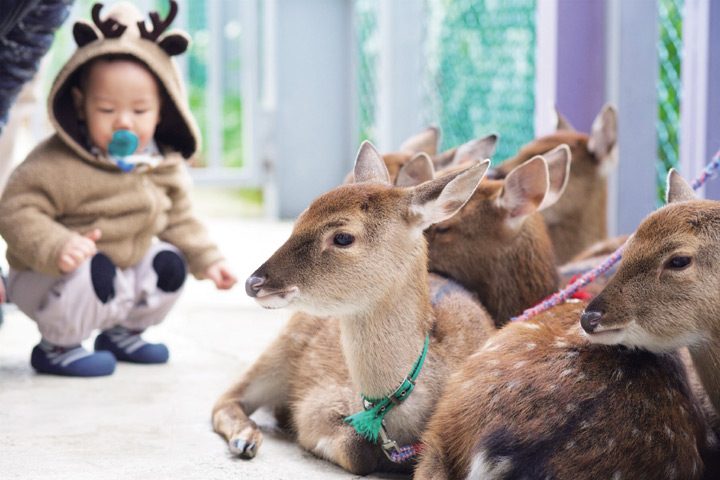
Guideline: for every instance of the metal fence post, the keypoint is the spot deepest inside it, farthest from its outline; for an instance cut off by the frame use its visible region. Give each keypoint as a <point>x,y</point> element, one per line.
<point>400,76</point>
<point>632,87</point>
<point>700,106</point>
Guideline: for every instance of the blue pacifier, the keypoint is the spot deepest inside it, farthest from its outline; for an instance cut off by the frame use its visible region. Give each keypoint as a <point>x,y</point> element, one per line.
<point>123,144</point>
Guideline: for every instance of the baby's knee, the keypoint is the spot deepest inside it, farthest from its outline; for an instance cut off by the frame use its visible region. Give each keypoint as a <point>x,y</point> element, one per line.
<point>170,270</point>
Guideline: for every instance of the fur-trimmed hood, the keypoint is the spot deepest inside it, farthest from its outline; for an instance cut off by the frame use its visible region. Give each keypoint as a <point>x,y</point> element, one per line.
<point>123,31</point>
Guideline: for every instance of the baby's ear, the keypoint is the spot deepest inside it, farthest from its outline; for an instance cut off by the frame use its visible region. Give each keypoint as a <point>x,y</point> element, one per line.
<point>78,102</point>
<point>174,42</point>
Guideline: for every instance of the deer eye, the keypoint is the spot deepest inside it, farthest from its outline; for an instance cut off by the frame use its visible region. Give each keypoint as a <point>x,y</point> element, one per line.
<point>343,239</point>
<point>678,263</point>
<point>441,230</point>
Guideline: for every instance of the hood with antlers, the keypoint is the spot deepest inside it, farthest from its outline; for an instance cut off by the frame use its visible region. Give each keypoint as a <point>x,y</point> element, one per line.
<point>122,31</point>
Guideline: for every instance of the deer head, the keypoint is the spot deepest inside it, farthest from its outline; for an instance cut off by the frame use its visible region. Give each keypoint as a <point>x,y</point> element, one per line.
<point>664,294</point>
<point>355,245</point>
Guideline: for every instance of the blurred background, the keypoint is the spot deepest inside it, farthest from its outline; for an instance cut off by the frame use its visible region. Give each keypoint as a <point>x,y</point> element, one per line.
<point>285,91</point>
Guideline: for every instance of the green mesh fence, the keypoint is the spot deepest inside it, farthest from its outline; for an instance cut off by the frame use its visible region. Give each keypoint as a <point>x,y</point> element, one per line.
<point>366,36</point>
<point>668,123</point>
<point>480,66</point>
<point>481,70</point>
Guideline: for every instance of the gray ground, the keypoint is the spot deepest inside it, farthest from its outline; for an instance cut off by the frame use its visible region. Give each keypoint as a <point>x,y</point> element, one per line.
<point>154,421</point>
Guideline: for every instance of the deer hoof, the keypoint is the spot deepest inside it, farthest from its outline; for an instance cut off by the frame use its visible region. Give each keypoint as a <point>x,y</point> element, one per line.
<point>243,448</point>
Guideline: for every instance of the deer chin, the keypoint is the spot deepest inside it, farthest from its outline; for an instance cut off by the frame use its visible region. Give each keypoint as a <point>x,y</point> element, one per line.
<point>277,299</point>
<point>607,336</point>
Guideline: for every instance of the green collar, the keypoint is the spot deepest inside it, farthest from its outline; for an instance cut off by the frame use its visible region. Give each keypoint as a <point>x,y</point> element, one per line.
<point>369,421</point>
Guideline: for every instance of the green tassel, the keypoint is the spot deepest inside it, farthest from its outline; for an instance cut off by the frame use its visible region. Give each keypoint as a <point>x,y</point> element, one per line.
<point>368,423</point>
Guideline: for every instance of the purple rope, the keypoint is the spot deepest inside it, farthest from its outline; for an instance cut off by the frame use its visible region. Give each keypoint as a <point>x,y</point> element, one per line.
<point>559,297</point>
<point>406,453</point>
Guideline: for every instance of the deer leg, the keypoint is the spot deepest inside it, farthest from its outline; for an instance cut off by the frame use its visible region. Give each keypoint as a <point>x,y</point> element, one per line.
<point>319,420</point>
<point>431,466</point>
<point>264,384</point>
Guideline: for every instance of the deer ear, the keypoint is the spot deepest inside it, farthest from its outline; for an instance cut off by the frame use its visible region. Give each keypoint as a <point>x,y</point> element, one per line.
<point>84,33</point>
<point>370,166</point>
<point>440,199</point>
<point>426,141</point>
<point>562,122</point>
<point>417,170</point>
<point>525,189</point>
<point>558,163</point>
<point>175,42</point>
<point>474,150</point>
<point>604,132</point>
<point>678,189</point>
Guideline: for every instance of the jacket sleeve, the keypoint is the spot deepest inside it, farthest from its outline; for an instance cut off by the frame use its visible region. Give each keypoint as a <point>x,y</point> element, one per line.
<point>28,209</point>
<point>184,229</point>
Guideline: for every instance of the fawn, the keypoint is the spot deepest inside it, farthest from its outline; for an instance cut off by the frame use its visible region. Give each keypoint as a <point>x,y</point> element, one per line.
<point>355,269</point>
<point>497,245</point>
<point>539,400</point>
<point>579,218</point>
<point>664,294</point>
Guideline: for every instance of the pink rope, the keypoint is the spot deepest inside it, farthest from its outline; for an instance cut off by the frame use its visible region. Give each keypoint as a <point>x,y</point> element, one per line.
<point>559,297</point>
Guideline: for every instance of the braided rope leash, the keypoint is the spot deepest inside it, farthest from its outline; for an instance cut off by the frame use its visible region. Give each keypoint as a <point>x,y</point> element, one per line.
<point>591,275</point>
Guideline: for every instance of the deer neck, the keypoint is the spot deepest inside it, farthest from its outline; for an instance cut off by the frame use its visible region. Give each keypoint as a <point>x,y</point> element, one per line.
<point>382,344</point>
<point>706,359</point>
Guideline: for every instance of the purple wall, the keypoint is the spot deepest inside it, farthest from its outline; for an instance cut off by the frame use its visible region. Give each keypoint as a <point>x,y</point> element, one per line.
<point>581,61</point>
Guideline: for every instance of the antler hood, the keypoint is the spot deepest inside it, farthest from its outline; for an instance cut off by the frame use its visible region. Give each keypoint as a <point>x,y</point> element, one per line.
<point>123,31</point>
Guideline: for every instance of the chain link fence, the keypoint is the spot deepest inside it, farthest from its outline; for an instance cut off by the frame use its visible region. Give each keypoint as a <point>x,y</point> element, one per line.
<point>668,123</point>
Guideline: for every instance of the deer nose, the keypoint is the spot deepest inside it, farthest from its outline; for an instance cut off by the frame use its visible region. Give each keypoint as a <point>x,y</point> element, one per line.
<point>589,320</point>
<point>253,285</point>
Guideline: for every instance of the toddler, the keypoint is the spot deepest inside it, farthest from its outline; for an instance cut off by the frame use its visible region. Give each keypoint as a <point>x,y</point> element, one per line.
<point>98,219</point>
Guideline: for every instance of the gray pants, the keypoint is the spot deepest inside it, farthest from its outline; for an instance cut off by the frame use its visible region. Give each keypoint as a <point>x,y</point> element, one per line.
<point>67,310</point>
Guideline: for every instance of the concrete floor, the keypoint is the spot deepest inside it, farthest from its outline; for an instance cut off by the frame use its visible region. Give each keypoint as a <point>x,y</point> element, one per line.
<point>154,421</point>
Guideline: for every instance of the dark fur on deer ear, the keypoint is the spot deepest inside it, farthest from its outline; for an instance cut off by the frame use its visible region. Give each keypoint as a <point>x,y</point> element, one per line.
<point>175,43</point>
<point>84,33</point>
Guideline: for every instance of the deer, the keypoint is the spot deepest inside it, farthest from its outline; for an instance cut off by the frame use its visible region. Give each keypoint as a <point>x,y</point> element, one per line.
<point>540,400</point>
<point>663,296</point>
<point>373,331</point>
<point>579,218</point>
<point>497,245</point>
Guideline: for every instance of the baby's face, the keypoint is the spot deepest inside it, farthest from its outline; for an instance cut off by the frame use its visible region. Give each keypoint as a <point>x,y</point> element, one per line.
<point>119,95</point>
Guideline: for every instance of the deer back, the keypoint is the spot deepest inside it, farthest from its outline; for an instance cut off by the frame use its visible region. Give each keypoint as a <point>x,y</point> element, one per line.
<point>540,401</point>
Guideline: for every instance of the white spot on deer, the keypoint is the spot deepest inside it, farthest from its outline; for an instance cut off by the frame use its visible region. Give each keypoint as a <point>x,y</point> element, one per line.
<point>530,346</point>
<point>512,385</point>
<point>570,445</point>
<point>520,364</point>
<point>668,431</point>
<point>324,448</point>
<point>560,342</point>
<point>618,375</point>
<point>493,362</point>
<point>572,354</point>
<point>611,443</point>
<point>533,326</point>
<point>496,373</point>
<point>490,347</point>
<point>617,475</point>
<point>484,468</point>
<point>566,372</point>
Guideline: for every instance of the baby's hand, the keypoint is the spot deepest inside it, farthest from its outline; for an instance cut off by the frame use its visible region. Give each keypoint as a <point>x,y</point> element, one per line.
<point>77,249</point>
<point>220,274</point>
